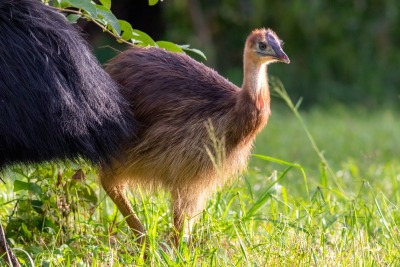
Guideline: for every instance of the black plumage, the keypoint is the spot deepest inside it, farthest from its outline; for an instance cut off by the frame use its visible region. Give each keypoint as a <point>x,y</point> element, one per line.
<point>56,102</point>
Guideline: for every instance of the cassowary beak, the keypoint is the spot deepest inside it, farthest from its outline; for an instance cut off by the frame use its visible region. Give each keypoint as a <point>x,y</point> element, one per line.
<point>284,58</point>
<point>280,55</point>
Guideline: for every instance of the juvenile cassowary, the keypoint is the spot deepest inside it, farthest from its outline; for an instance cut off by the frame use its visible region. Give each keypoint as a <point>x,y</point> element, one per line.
<point>56,101</point>
<point>196,128</point>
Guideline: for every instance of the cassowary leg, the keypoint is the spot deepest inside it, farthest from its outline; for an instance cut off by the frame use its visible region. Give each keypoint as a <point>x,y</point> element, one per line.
<point>116,191</point>
<point>186,207</point>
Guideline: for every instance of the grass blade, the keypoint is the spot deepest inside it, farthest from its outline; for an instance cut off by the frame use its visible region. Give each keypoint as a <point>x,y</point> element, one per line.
<point>280,90</point>
<point>283,162</point>
<point>265,196</point>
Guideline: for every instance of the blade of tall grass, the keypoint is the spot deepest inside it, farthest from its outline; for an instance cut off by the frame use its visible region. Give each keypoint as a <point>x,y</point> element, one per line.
<point>265,196</point>
<point>382,216</point>
<point>280,90</point>
<point>283,162</point>
<point>243,247</point>
<point>166,258</point>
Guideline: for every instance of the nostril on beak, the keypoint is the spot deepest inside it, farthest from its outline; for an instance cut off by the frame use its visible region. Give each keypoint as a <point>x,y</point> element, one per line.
<point>285,59</point>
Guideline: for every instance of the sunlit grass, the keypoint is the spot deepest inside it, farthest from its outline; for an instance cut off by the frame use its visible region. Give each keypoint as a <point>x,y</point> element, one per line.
<point>289,212</point>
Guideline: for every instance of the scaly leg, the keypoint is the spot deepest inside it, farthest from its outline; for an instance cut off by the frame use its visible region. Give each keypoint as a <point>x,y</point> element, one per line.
<point>116,191</point>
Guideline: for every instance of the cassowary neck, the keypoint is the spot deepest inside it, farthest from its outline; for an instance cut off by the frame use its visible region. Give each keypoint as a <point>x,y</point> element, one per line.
<point>255,83</point>
<point>253,104</point>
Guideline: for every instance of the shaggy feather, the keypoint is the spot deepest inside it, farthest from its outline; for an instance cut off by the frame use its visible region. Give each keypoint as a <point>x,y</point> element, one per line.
<point>56,102</point>
<point>197,127</point>
<point>175,98</point>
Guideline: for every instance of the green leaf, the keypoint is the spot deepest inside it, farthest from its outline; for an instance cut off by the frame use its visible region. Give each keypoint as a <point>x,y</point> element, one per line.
<point>89,194</point>
<point>51,226</point>
<point>106,3</point>
<point>193,50</point>
<point>37,205</point>
<point>142,38</point>
<point>56,3</point>
<point>31,187</point>
<point>73,18</point>
<point>25,230</point>
<point>109,18</point>
<point>85,5</point>
<point>127,30</point>
<point>169,46</point>
<point>84,191</point>
<point>152,2</point>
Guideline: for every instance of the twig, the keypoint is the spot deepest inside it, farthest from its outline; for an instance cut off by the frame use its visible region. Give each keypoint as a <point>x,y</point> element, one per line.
<point>89,18</point>
<point>6,251</point>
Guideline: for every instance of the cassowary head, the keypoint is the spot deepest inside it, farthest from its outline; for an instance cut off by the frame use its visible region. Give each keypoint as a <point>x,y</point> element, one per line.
<point>264,46</point>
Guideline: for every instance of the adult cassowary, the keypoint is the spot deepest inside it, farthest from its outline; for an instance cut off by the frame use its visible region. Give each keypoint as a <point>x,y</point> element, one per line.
<point>56,102</point>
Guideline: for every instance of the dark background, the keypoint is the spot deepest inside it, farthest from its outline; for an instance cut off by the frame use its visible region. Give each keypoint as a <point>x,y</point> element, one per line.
<point>342,52</point>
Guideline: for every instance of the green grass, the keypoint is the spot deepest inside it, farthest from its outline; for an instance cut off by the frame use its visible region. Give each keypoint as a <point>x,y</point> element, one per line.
<point>274,215</point>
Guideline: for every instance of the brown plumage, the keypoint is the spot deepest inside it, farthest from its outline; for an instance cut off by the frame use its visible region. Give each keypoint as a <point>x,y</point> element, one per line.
<point>197,128</point>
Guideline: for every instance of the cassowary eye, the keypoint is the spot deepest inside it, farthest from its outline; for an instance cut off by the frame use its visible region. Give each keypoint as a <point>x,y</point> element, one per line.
<point>262,46</point>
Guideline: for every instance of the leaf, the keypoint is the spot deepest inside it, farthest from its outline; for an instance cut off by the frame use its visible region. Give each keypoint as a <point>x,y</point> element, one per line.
<point>111,21</point>
<point>142,38</point>
<point>135,36</point>
<point>31,187</point>
<point>193,50</point>
<point>37,205</point>
<point>50,226</point>
<point>84,191</point>
<point>73,18</point>
<point>127,30</point>
<point>152,2</point>
<point>169,46</point>
<point>25,230</point>
<point>89,194</point>
<point>86,5</point>
<point>56,3</point>
<point>106,3</point>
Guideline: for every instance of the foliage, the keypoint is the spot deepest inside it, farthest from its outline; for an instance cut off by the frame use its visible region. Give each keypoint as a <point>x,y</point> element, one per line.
<point>340,51</point>
<point>101,15</point>
<point>44,197</point>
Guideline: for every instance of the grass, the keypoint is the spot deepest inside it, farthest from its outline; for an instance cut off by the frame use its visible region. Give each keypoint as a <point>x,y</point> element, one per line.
<point>336,208</point>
